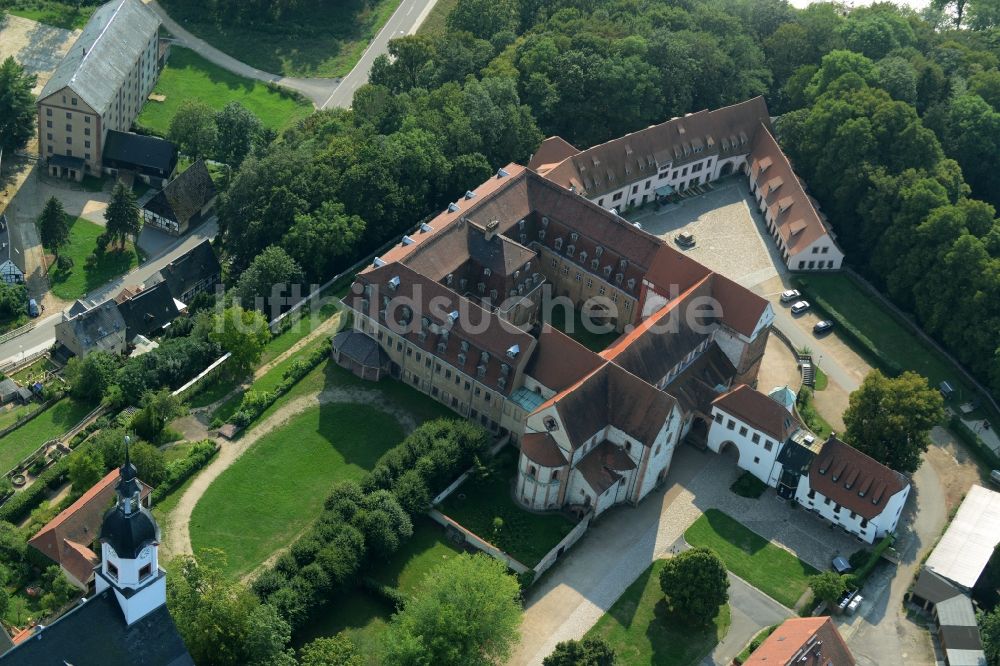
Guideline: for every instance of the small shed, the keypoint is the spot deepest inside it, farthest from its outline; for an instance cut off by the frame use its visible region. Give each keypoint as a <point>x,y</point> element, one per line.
<point>8,390</point>
<point>947,390</point>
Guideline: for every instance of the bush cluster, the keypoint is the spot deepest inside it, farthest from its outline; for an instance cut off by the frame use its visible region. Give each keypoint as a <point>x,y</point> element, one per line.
<point>427,461</point>
<point>255,402</point>
<point>355,527</point>
<point>181,470</point>
<point>170,365</point>
<point>369,521</point>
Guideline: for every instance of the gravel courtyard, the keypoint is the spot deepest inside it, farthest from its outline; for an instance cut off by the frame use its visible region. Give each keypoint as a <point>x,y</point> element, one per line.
<point>730,235</point>
<point>37,46</point>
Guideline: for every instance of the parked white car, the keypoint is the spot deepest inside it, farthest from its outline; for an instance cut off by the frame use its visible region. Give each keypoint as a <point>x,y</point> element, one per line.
<point>800,307</point>
<point>790,295</point>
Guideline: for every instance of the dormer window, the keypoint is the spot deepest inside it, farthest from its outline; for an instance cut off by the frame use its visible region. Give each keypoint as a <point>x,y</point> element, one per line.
<point>559,244</point>
<point>394,282</point>
<point>570,250</point>
<point>545,221</point>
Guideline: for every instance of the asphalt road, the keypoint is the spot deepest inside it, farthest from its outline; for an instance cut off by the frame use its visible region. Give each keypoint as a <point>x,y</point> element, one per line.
<point>751,610</point>
<point>404,21</point>
<point>43,335</point>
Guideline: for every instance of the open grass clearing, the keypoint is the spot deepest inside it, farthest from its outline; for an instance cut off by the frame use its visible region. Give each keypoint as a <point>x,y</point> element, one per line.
<point>322,40</point>
<point>53,422</point>
<point>524,535</point>
<point>642,631</point>
<point>189,76</point>
<point>772,570</point>
<point>80,279</point>
<point>12,413</point>
<point>277,487</point>
<point>66,15</point>
<point>217,388</point>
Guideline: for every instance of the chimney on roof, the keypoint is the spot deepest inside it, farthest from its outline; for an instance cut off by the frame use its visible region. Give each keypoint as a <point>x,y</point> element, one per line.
<point>491,229</point>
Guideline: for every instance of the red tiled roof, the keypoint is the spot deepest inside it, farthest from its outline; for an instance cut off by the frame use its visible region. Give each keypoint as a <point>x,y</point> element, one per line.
<point>602,465</point>
<point>759,411</point>
<point>66,538</point>
<point>797,220</point>
<point>853,480</point>
<point>806,641</point>
<point>554,149</point>
<point>741,308</point>
<point>539,447</point>
<point>559,360</point>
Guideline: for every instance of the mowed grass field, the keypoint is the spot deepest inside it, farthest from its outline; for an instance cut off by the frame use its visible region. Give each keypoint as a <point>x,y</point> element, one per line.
<point>53,422</point>
<point>80,278</point>
<point>772,570</point>
<point>66,15</point>
<point>189,76</point>
<point>642,632</point>
<point>277,488</point>
<point>436,22</point>
<point>323,40</point>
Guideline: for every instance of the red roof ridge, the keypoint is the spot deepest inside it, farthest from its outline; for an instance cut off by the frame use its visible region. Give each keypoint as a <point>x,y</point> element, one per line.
<point>84,499</point>
<point>622,343</point>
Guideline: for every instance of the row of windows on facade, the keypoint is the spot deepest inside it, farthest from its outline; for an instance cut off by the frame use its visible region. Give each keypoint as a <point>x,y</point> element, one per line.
<point>428,362</point>
<point>69,152</point>
<point>69,115</point>
<point>144,572</point>
<point>836,508</point>
<point>69,139</point>
<point>447,398</point>
<point>731,425</point>
<point>678,173</point>
<point>802,263</point>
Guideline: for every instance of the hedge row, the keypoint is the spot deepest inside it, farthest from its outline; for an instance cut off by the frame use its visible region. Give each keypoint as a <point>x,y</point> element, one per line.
<point>355,528</point>
<point>255,402</point>
<point>861,573</point>
<point>20,506</point>
<point>360,524</point>
<point>181,470</point>
<point>978,447</point>
<point>887,365</point>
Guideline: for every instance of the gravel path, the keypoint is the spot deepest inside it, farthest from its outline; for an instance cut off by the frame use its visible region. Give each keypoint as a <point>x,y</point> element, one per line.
<point>178,540</point>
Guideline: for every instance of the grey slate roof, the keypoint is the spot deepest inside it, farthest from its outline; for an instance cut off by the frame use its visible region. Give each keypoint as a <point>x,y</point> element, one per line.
<point>8,389</point>
<point>185,195</point>
<point>95,634</point>
<point>95,324</point>
<point>197,264</point>
<point>137,150</point>
<point>956,612</point>
<point>104,54</point>
<point>360,348</point>
<point>934,588</point>
<point>148,311</point>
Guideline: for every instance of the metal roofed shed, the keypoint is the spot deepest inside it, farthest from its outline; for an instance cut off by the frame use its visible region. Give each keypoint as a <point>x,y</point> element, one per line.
<point>967,545</point>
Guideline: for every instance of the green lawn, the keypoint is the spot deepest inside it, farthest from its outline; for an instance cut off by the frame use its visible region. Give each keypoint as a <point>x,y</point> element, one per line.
<point>80,278</point>
<point>67,15</point>
<point>526,536</point>
<point>641,630</point>
<point>189,76</point>
<point>218,388</point>
<point>53,422</point>
<point>34,372</point>
<point>594,341</point>
<point>435,24</point>
<point>10,414</point>
<point>820,379</point>
<point>887,334</point>
<point>325,40</point>
<point>275,489</point>
<point>364,616</point>
<point>772,570</point>
<point>814,421</point>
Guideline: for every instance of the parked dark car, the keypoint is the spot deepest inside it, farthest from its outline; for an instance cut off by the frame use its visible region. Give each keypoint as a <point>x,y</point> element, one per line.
<point>685,240</point>
<point>822,326</point>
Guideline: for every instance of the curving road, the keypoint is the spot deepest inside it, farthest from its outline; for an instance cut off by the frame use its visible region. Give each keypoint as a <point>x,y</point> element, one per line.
<point>323,92</point>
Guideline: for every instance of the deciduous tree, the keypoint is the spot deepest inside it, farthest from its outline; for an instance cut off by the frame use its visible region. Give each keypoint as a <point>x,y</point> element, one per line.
<point>466,611</point>
<point>890,419</point>
<point>588,652</point>
<point>242,333</point>
<point>86,468</point>
<point>237,131</point>
<point>270,277</point>
<point>334,651</point>
<point>828,586</point>
<point>696,584</point>
<point>193,128</point>
<point>90,376</point>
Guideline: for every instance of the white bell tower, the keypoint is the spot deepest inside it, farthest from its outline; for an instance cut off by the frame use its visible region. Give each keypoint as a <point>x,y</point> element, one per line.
<point>130,540</point>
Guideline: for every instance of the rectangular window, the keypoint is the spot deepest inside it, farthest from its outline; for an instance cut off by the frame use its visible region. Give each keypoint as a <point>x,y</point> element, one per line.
<point>48,112</point>
<point>69,116</point>
<point>684,172</point>
<point>718,417</point>
<point>590,283</point>
<point>86,144</point>
<point>617,196</point>
<point>49,136</point>
<point>86,119</point>
<point>87,156</point>
<point>756,438</point>
<point>447,374</point>
<point>743,431</point>
<point>113,570</point>
<point>86,131</point>
<point>600,202</point>
<point>756,460</point>
<point>69,140</point>
<point>648,183</point>
<point>73,101</point>
<point>48,123</point>
<point>815,250</point>
<point>602,291</point>
<point>555,263</point>
<point>768,445</point>
<point>579,275</point>
<point>824,250</point>
<point>675,174</point>
<point>69,128</point>
<point>731,425</point>
<point>635,188</point>
<point>146,569</point>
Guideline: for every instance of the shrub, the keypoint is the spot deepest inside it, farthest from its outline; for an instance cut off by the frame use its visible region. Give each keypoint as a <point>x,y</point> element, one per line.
<point>181,470</point>
<point>20,506</point>
<point>390,594</point>
<point>859,558</point>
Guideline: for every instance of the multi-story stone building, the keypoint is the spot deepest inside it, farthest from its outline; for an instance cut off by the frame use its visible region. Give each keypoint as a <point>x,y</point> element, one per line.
<point>99,87</point>
<point>458,309</point>
<point>686,152</point>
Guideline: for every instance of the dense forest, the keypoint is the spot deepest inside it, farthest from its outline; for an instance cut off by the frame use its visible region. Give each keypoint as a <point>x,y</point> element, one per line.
<point>893,118</point>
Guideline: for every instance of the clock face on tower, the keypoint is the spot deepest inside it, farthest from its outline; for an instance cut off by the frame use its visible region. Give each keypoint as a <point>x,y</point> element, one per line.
<point>145,553</point>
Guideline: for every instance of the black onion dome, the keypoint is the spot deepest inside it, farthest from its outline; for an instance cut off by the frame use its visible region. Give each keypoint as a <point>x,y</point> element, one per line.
<point>128,534</point>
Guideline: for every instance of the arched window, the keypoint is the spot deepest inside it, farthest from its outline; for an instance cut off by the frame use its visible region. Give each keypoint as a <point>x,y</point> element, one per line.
<point>555,474</point>
<point>532,471</point>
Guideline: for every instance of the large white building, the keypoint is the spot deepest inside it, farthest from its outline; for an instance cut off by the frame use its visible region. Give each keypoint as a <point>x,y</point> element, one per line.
<point>99,86</point>
<point>831,478</point>
<point>699,148</point>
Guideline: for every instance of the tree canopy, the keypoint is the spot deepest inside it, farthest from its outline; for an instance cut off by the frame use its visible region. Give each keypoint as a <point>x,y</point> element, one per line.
<point>242,333</point>
<point>121,217</point>
<point>588,652</point>
<point>17,106</point>
<point>53,225</point>
<point>696,584</point>
<point>890,418</point>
